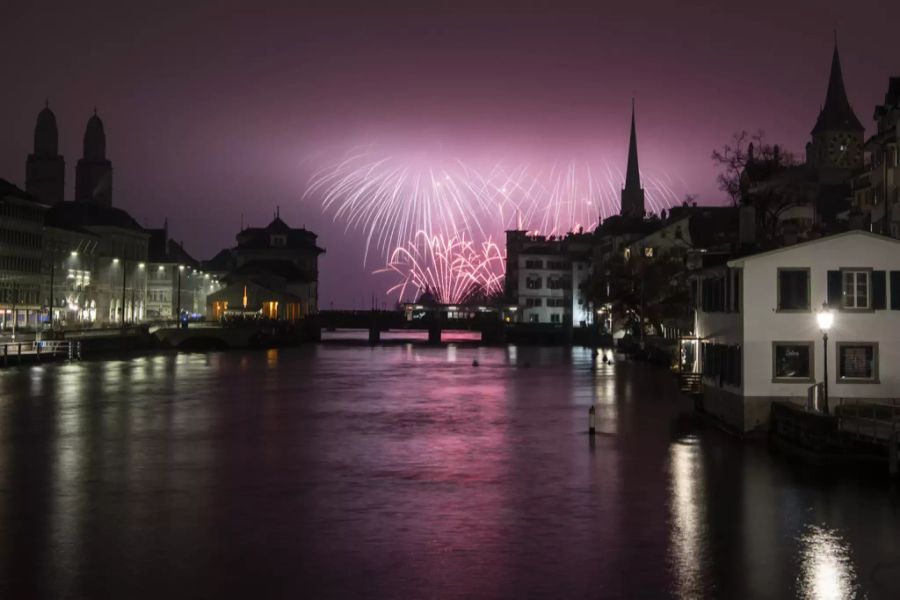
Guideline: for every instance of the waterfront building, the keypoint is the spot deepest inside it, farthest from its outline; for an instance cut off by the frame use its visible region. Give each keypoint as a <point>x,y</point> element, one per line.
<point>176,286</point>
<point>70,268</point>
<point>113,274</point>
<point>545,278</point>
<point>275,274</point>
<point>876,189</point>
<point>757,337</point>
<point>21,243</point>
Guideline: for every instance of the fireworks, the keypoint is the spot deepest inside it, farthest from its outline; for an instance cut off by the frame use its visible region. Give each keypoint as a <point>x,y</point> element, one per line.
<point>432,219</point>
<point>454,270</point>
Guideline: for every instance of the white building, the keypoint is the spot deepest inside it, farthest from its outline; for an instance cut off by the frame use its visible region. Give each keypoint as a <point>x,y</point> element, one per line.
<point>549,289</point>
<point>758,336</point>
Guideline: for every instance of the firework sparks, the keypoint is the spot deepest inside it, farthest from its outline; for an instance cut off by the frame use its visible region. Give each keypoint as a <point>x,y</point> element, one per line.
<point>432,219</point>
<point>453,270</point>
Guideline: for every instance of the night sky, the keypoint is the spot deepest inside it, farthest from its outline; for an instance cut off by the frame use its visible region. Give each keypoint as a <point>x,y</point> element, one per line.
<point>213,112</point>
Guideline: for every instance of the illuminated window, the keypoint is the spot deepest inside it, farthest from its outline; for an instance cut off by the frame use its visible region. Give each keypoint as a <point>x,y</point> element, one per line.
<point>648,252</point>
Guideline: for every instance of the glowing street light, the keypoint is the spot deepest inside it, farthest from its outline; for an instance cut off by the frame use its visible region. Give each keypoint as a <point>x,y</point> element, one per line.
<point>825,319</point>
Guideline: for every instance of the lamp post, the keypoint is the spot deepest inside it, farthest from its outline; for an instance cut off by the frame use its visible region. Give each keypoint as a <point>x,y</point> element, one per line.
<point>825,318</point>
<point>178,273</point>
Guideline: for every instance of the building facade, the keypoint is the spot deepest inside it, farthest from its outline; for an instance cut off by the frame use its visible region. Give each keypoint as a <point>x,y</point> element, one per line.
<point>758,336</point>
<point>21,250</point>
<point>275,275</point>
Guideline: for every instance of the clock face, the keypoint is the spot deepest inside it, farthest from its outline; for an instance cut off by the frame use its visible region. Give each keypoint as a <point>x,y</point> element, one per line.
<point>843,150</point>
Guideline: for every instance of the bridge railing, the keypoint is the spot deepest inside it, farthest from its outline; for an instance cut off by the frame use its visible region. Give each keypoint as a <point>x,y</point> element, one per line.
<point>38,349</point>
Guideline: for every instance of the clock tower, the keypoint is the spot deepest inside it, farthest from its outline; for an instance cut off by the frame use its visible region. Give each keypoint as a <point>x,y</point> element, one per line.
<point>835,150</point>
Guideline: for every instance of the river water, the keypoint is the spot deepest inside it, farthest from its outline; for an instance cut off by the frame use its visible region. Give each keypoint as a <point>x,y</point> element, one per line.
<point>403,471</point>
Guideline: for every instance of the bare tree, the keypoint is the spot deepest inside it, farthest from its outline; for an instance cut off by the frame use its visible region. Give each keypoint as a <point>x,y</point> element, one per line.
<point>744,149</point>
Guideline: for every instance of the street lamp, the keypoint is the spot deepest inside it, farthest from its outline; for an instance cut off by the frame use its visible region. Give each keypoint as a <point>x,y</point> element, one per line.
<point>825,318</point>
<point>180,269</point>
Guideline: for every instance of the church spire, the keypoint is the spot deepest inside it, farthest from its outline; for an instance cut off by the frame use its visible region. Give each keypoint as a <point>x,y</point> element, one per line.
<point>632,172</point>
<point>632,194</point>
<point>836,114</point>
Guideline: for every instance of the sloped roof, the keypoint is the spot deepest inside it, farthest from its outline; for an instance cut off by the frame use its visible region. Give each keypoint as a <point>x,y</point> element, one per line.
<point>8,190</point>
<point>855,232</point>
<point>836,114</point>
<point>71,215</point>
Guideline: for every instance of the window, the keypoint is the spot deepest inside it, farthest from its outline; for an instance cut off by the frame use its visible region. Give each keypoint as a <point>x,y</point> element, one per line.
<point>532,302</point>
<point>533,283</point>
<point>558,265</point>
<point>721,363</point>
<point>557,302</point>
<point>713,294</point>
<point>278,241</point>
<point>648,252</point>
<point>793,289</point>
<point>856,289</point>
<point>792,361</point>
<point>554,318</point>
<point>534,264</point>
<point>534,318</point>
<point>857,362</point>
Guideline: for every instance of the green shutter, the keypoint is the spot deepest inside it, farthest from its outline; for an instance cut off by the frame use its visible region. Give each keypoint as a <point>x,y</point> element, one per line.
<point>834,288</point>
<point>879,293</point>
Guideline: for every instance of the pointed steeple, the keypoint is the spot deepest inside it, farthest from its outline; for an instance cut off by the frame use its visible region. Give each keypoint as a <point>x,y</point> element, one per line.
<point>632,172</point>
<point>836,114</point>
<point>632,194</point>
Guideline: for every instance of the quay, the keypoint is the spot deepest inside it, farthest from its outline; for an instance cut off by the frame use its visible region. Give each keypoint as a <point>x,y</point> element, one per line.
<point>36,351</point>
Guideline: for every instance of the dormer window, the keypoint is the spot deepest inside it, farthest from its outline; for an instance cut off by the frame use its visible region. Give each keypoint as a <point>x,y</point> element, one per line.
<point>278,241</point>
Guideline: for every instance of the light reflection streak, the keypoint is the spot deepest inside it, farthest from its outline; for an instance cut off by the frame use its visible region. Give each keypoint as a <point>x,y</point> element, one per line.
<point>826,570</point>
<point>688,550</point>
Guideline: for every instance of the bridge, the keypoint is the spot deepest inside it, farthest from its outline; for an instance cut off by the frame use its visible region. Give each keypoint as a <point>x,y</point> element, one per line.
<point>207,336</point>
<point>434,320</point>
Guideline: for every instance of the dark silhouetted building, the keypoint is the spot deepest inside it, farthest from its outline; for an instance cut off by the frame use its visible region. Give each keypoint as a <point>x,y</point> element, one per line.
<point>93,174</point>
<point>632,194</point>
<point>45,169</point>
<point>876,189</point>
<point>275,274</point>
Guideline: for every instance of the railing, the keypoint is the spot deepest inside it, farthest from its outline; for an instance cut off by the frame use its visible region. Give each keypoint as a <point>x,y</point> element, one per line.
<point>690,382</point>
<point>878,420</point>
<point>36,350</point>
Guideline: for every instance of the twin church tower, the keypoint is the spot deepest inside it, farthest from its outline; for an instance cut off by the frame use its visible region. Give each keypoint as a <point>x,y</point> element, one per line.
<point>45,169</point>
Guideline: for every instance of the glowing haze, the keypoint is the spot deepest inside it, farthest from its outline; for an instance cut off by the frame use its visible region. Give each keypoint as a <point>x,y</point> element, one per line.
<point>214,110</point>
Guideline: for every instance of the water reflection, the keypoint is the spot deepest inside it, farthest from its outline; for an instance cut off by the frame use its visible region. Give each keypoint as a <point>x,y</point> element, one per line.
<point>688,531</point>
<point>401,471</point>
<point>826,567</point>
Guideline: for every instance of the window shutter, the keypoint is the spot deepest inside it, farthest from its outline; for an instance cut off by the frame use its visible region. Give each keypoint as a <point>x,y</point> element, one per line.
<point>834,288</point>
<point>895,290</point>
<point>879,299</point>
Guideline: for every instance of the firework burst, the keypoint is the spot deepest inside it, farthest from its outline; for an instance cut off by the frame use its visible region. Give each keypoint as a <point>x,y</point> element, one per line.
<point>432,219</point>
<point>453,270</point>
